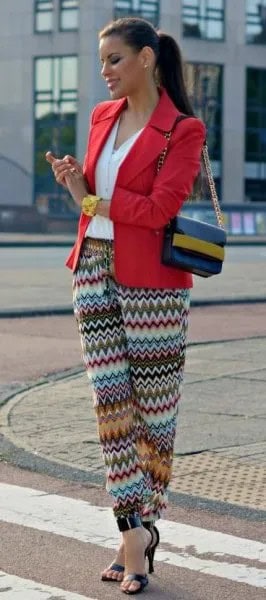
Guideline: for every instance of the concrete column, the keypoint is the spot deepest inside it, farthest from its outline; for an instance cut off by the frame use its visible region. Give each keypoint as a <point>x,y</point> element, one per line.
<point>170,17</point>
<point>93,17</point>
<point>16,128</point>
<point>234,104</point>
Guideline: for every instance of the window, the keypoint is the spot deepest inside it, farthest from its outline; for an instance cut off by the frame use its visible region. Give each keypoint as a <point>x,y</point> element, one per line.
<point>203,19</point>
<point>43,16</point>
<point>55,99</point>
<point>69,14</point>
<point>204,82</point>
<point>146,9</point>
<point>255,167</point>
<point>256,21</point>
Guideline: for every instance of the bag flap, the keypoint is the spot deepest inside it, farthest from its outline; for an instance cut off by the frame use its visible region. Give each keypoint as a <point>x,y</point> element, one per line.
<point>199,230</point>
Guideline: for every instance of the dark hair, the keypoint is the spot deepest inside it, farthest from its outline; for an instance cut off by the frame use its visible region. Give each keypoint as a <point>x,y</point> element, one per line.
<point>138,33</point>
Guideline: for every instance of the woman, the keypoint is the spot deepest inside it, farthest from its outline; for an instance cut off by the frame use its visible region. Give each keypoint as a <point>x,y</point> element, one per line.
<point>132,311</point>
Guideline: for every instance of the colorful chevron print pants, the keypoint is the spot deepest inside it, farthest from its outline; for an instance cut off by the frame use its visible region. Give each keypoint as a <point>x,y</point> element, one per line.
<point>133,343</point>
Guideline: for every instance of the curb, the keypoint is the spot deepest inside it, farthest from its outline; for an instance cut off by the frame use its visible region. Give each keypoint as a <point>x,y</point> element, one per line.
<point>40,244</point>
<point>16,313</point>
<point>50,378</point>
<point>67,244</point>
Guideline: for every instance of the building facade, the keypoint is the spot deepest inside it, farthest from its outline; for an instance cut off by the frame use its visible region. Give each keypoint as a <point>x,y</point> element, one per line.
<point>50,81</point>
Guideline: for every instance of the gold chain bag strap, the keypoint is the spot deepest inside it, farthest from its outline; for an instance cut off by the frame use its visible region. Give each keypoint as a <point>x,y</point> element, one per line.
<point>190,245</point>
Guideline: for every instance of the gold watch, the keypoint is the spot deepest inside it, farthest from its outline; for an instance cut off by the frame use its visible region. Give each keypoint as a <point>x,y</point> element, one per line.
<point>89,204</point>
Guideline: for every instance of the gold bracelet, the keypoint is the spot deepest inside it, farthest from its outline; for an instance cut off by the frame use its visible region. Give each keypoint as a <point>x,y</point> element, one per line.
<point>89,204</point>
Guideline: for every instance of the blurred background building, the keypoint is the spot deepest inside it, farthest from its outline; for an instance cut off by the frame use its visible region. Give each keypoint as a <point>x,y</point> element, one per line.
<point>50,80</point>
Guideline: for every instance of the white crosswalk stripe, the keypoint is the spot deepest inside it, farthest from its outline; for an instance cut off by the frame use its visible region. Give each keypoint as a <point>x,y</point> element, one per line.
<point>194,548</point>
<point>16,588</point>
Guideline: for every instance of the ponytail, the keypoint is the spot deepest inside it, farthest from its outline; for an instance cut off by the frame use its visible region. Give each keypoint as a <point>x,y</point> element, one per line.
<point>171,75</point>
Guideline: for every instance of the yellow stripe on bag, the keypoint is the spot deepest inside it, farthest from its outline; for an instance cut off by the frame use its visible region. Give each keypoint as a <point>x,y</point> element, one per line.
<point>196,245</point>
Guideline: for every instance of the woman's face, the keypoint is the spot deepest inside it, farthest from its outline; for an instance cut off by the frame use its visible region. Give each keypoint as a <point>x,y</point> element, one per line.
<point>122,67</point>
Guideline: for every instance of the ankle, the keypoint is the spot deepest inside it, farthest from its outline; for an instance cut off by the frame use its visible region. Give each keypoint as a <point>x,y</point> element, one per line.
<point>137,537</point>
<point>129,522</point>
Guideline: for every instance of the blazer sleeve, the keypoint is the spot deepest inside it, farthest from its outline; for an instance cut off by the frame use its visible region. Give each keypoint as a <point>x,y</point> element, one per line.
<point>172,186</point>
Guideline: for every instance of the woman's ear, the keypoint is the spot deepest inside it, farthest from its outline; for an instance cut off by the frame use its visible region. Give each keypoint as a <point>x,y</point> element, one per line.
<point>147,57</point>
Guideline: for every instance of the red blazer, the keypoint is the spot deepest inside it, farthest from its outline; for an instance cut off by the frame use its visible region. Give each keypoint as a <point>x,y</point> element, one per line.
<point>144,202</point>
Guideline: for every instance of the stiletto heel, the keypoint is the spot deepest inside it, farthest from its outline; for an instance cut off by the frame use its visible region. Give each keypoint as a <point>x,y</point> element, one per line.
<point>150,556</point>
<point>150,551</point>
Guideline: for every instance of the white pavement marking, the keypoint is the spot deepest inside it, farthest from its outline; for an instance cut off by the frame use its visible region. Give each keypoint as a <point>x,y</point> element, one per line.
<point>87,523</point>
<point>16,588</point>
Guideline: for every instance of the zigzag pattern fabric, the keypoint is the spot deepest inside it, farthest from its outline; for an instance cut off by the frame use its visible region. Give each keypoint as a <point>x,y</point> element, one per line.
<point>133,344</point>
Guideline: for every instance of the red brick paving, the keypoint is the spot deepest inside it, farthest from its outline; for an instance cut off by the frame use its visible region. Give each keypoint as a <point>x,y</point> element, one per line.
<point>33,347</point>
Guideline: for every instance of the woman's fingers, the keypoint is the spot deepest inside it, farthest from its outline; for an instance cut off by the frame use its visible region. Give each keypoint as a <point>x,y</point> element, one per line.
<point>73,163</point>
<point>64,167</point>
<point>61,174</point>
<point>60,179</point>
<point>60,170</point>
<point>50,157</point>
<point>57,164</point>
<point>68,161</point>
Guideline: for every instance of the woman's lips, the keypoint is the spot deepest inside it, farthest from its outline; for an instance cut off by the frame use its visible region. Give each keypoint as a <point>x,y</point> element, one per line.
<point>112,84</point>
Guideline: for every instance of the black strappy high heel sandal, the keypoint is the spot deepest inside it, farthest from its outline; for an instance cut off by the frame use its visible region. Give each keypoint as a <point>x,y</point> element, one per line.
<point>114,567</point>
<point>150,551</point>
<point>124,524</point>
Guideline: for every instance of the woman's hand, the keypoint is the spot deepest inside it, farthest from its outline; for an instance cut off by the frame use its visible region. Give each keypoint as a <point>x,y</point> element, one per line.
<point>76,185</point>
<point>68,172</point>
<point>62,167</point>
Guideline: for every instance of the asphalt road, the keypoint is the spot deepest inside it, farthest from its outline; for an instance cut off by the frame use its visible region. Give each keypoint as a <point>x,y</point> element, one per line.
<point>37,278</point>
<point>46,258</point>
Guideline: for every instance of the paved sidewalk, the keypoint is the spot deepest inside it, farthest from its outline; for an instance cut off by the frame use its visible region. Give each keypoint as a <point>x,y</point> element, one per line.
<point>220,452</point>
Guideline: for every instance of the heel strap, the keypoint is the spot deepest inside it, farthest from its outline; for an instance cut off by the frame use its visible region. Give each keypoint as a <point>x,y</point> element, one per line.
<point>130,522</point>
<point>148,524</point>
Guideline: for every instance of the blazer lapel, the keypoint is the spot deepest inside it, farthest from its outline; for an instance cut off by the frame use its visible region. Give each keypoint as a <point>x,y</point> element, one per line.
<point>99,133</point>
<point>144,151</point>
<point>151,142</point>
